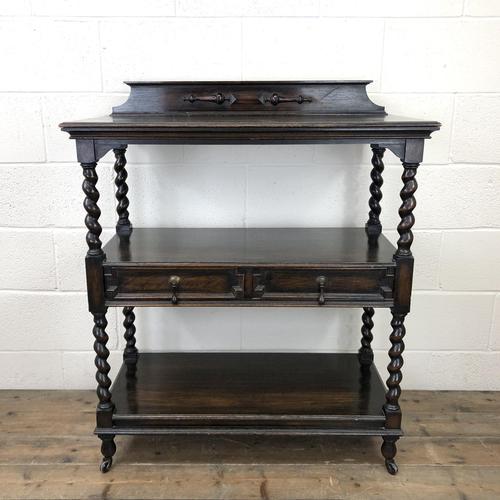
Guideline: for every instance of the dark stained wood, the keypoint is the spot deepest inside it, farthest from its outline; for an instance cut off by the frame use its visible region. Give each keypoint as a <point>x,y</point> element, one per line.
<point>95,283</point>
<point>404,275</point>
<point>211,267</point>
<point>281,129</point>
<point>325,286</point>
<point>93,212</point>
<point>108,449</point>
<point>392,409</point>
<point>365,353</point>
<point>406,210</point>
<point>324,97</point>
<point>95,255</point>
<point>123,226</point>
<point>102,365</point>
<point>403,284</point>
<point>173,285</point>
<point>322,267</point>
<point>105,406</point>
<point>248,112</point>
<point>315,247</point>
<point>373,226</point>
<point>270,393</point>
<point>130,353</point>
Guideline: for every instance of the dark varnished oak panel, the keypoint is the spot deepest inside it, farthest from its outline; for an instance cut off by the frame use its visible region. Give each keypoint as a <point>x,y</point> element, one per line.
<point>305,247</point>
<point>172,285</point>
<point>246,113</point>
<point>273,392</point>
<point>361,284</point>
<point>311,97</point>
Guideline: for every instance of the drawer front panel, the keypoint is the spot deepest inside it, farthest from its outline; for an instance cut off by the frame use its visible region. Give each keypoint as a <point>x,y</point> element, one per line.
<point>173,285</point>
<point>324,285</point>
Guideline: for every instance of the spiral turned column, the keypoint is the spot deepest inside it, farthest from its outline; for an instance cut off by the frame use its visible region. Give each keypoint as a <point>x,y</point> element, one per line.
<point>123,226</point>
<point>392,409</point>
<point>365,353</point>
<point>101,362</point>
<point>406,210</point>
<point>396,363</point>
<point>105,406</point>
<point>93,212</point>
<point>373,227</point>
<point>130,353</point>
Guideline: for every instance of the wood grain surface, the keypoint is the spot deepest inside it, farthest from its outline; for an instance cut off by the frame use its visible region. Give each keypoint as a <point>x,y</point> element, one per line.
<point>451,451</point>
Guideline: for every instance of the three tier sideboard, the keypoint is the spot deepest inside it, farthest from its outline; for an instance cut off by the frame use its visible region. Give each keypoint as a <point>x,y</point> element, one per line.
<point>249,392</point>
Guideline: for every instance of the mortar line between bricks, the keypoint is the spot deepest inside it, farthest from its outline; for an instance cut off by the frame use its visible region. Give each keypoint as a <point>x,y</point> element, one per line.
<point>484,229</point>
<point>266,350</point>
<point>382,55</point>
<point>440,260</point>
<point>452,129</point>
<point>492,324</point>
<point>54,256</point>
<point>319,16</point>
<point>44,129</point>
<point>99,53</point>
<point>311,165</point>
<point>241,47</point>
<point>181,164</point>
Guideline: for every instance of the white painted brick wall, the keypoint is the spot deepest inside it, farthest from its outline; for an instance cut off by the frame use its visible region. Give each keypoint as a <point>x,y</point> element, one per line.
<point>21,139</point>
<point>67,59</point>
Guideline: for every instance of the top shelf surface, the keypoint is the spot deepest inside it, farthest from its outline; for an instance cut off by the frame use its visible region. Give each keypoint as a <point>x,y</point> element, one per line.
<point>248,112</point>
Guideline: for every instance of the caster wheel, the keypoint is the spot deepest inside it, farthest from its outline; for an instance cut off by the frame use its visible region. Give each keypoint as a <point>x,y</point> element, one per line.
<point>391,467</point>
<point>106,464</point>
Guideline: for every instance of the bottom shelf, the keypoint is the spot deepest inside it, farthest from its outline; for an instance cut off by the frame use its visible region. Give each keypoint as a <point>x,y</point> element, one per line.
<point>248,393</point>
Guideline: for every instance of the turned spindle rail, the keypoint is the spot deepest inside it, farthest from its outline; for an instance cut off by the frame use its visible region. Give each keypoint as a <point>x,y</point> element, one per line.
<point>249,393</point>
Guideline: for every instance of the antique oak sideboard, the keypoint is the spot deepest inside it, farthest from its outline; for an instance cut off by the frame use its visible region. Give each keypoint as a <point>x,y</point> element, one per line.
<point>249,393</point>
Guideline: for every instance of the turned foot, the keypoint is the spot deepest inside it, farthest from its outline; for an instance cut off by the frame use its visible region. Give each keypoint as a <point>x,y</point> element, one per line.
<point>106,464</point>
<point>389,452</point>
<point>108,449</point>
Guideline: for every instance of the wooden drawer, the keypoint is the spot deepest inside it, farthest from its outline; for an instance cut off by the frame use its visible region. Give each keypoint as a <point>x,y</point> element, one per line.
<point>211,285</point>
<point>322,286</point>
<point>172,285</point>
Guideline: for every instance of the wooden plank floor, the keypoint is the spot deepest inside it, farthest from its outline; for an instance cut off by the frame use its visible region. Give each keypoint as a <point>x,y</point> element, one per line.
<point>451,451</point>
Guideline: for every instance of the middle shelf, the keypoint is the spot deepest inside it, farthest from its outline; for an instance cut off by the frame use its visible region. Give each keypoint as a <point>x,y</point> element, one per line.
<point>239,267</point>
